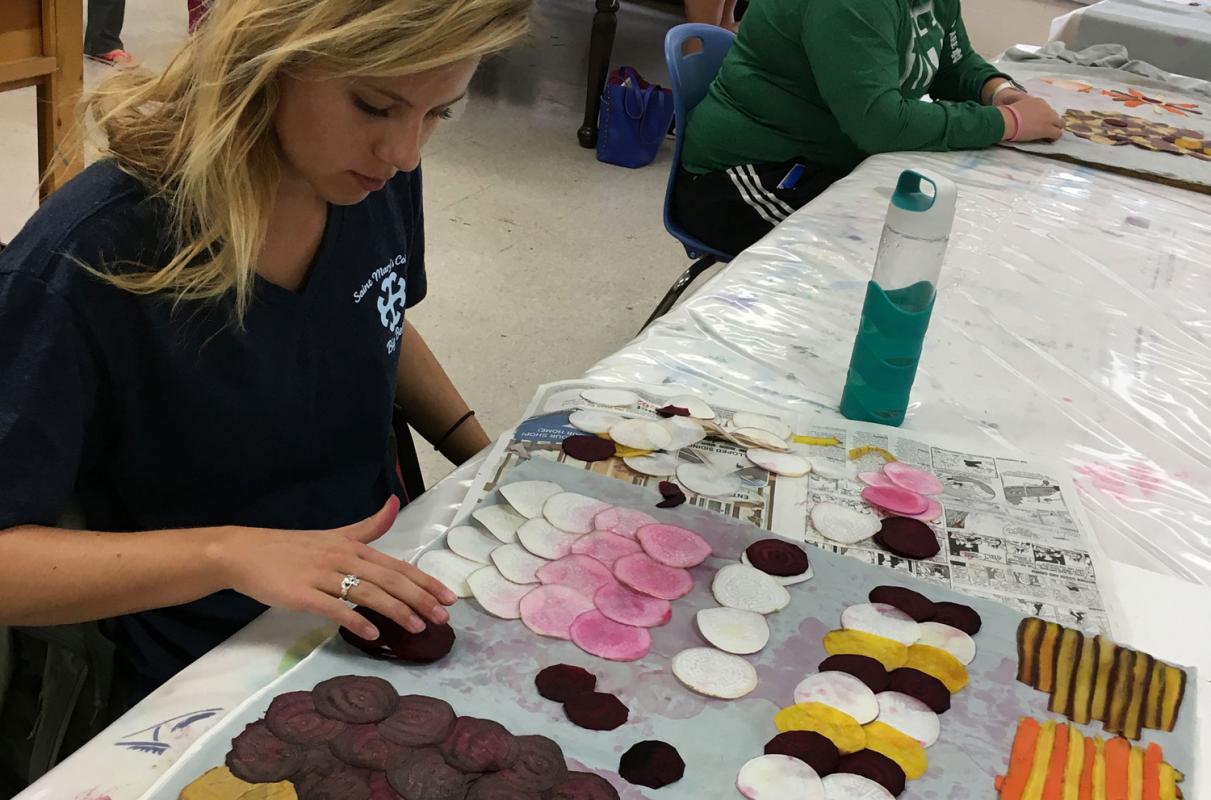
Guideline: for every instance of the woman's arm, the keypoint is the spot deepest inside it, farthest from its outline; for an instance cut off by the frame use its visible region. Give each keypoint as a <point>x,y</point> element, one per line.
<point>962,73</point>
<point>432,403</point>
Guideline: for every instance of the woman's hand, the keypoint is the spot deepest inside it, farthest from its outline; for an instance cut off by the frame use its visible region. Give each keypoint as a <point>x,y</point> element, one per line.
<point>1007,97</point>
<point>303,570</point>
<point>1030,120</point>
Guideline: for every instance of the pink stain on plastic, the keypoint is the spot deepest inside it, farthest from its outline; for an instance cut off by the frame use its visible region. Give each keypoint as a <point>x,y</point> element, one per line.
<point>598,635</point>
<point>896,499</point>
<point>645,574</point>
<point>1146,479</point>
<point>582,573</point>
<point>673,546</point>
<point>604,546</point>
<point>629,607</point>
<point>622,521</point>
<point>550,610</point>
<point>1104,478</point>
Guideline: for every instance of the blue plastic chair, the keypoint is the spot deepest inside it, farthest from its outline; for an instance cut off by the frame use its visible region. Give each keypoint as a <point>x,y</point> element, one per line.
<point>690,74</point>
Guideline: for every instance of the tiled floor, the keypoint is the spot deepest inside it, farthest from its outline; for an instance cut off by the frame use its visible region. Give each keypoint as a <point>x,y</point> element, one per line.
<point>541,260</point>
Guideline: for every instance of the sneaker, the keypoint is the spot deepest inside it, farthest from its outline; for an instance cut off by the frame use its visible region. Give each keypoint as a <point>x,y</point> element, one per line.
<point>114,58</point>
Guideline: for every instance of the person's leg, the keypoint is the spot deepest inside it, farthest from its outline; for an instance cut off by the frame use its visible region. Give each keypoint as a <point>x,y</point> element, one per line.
<point>104,31</point>
<point>709,12</point>
<point>728,16</point>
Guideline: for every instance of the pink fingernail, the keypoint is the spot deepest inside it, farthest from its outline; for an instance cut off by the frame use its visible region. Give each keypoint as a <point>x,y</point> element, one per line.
<point>441,615</point>
<point>370,633</point>
<point>416,626</point>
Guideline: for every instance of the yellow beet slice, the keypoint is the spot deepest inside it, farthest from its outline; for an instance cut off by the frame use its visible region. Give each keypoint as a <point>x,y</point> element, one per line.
<point>1106,650</point>
<point>1074,764</point>
<point>1066,655</point>
<point>1135,774</point>
<point>1030,633</point>
<point>1152,702</point>
<point>1120,690</point>
<point>899,747</point>
<point>1141,670</point>
<point>1171,697</point>
<point>1042,759</point>
<point>938,663</point>
<point>1168,782</point>
<point>1047,648</point>
<point>836,726</point>
<point>220,784</point>
<point>1082,682</point>
<point>888,652</point>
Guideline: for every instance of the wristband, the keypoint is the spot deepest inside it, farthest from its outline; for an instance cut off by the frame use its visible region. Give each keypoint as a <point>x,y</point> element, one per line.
<point>453,428</point>
<point>1017,123</point>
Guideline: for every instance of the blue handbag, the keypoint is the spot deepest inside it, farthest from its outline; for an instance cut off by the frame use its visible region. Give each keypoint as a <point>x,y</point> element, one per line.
<point>634,119</point>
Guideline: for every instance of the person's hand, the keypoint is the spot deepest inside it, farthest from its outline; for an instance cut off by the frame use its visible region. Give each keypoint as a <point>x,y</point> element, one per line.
<point>1038,120</point>
<point>303,570</point>
<point>1007,97</point>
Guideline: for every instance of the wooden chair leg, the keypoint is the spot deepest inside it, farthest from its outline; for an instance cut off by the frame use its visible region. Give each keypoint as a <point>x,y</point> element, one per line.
<point>601,47</point>
<point>58,93</point>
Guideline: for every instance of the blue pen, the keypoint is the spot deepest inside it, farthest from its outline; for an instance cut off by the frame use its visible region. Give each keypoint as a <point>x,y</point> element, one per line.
<point>791,178</point>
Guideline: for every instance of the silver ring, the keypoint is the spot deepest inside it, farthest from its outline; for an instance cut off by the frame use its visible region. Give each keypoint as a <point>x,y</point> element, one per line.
<point>348,583</point>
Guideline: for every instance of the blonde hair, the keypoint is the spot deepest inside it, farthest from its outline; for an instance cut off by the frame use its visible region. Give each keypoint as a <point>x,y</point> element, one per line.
<point>200,134</point>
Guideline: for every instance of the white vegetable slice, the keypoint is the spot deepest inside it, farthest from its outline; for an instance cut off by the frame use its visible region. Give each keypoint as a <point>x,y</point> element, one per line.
<point>779,777</point>
<point>787,464</point>
<point>841,691</point>
<point>695,405</point>
<point>755,437</point>
<point>517,563</point>
<point>449,568</point>
<point>706,480</point>
<point>827,468</point>
<point>847,786</point>
<point>749,589</point>
<point>593,420</point>
<point>948,638</point>
<point>733,630</point>
<point>545,540</point>
<point>747,419</point>
<point>615,398</point>
<point>656,465</point>
<point>714,673</point>
<point>789,580</point>
<point>572,512</point>
<point>641,434</point>
<point>500,520</point>
<point>470,542</point>
<point>909,716</point>
<point>528,497</point>
<point>883,620</point>
<point>498,596</point>
<point>684,432</point>
<point>843,524</point>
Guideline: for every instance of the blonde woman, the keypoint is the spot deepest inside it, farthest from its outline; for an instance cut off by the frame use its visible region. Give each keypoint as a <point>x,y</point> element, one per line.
<point>202,335</point>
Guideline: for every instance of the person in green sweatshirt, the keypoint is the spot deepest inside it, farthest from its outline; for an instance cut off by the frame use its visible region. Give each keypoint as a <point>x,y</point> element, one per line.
<point>812,87</point>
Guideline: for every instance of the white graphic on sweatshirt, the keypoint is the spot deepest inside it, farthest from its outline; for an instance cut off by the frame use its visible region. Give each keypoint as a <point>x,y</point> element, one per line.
<point>392,298</point>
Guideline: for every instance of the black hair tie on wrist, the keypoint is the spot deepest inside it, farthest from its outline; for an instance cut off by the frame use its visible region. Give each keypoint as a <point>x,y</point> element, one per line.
<point>453,428</point>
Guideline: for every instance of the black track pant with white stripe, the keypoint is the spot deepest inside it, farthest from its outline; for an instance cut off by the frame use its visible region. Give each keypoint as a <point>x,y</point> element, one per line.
<point>731,210</point>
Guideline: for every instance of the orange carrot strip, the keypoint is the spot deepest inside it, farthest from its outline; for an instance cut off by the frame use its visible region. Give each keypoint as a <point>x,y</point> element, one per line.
<point>1085,790</point>
<point>1021,755</point>
<point>1054,784</point>
<point>1154,756</point>
<point>1118,751</point>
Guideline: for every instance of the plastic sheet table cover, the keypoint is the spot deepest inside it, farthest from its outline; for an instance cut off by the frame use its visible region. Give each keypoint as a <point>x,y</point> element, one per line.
<point>1171,34</point>
<point>1071,324</point>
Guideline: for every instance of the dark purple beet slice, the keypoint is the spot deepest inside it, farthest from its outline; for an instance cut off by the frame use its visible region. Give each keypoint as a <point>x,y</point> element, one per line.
<point>562,682</point>
<point>418,721</point>
<point>777,557</point>
<point>427,776</point>
<point>347,783</point>
<point>495,787</point>
<point>907,538</point>
<point>355,698</point>
<point>926,688</point>
<point>651,763</point>
<point>808,746</point>
<point>389,632</point>
<point>672,494</point>
<point>583,786</point>
<point>258,756</point>
<point>914,604</point>
<point>364,746</point>
<point>864,668</point>
<point>479,745</point>
<point>293,717</point>
<point>380,787</point>
<point>597,711</point>
<point>875,766</point>
<point>539,766</point>
<point>430,645</point>
<point>958,616</point>
<point>584,447</point>
<point>673,411</point>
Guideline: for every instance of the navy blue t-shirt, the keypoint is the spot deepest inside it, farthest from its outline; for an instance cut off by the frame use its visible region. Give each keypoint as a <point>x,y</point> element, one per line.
<point>151,417</point>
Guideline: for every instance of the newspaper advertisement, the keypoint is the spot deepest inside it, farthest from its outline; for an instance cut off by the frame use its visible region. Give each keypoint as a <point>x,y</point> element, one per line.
<point>1010,530</point>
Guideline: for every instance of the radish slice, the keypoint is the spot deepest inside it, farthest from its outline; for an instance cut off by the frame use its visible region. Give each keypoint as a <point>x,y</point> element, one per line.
<point>883,620</point>
<point>582,573</point>
<point>605,547</point>
<point>787,464</point>
<point>841,691</point>
<point>545,540</point>
<point>733,630</point>
<point>875,479</point>
<point>912,478</point>
<point>550,610</point>
<point>895,499</point>
<point>695,405</point>
<point>743,587</point>
<point>673,546</point>
<point>622,521</point>
<point>644,574</point>
<point>592,420</point>
<point>472,543</point>
<point>909,716</point>
<point>517,563</point>
<point>827,468</point>
<point>714,673</point>
<point>684,432</point>
<point>779,777</point>
<point>500,520</point>
<point>528,497</point>
<point>656,465</point>
<point>755,437</point>
<point>598,635</point>
<point>615,398</point>
<point>950,639</point>
<point>498,596</point>
<point>706,480</point>
<point>847,786</point>
<point>931,513</point>
<point>785,581</point>
<point>747,419</point>
<point>449,568</point>
<point>629,607</point>
<point>572,512</point>
<point>641,434</point>
<point>843,524</point>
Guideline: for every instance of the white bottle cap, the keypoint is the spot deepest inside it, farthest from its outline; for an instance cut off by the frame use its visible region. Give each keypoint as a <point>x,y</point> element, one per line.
<point>922,211</point>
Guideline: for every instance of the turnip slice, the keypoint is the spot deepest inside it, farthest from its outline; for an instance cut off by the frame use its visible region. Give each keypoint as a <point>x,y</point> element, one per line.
<point>582,573</point>
<point>714,673</point>
<point>641,434</point>
<point>449,568</point>
<point>755,437</point>
<point>912,478</point>
<point>788,464</point>
<point>875,479</point>
<point>779,777</point>
<point>498,596</point>
<point>950,639</point>
<point>615,398</point>
<point>827,468</point>
<point>592,420</point>
<point>655,465</point>
<point>598,635</point>
<point>909,716</point>
<point>697,407</point>
<point>621,604</point>
<point>604,546</point>
<point>733,630</point>
<point>895,499</point>
<point>673,546</point>
<point>743,587</point>
<point>572,512</point>
<point>847,786</point>
<point>500,520</point>
<point>843,524</point>
<point>528,497</point>
<point>545,540</point>
<point>622,521</point>
<point>471,543</point>
<point>789,580</point>
<point>883,620</point>
<point>747,419</point>
<point>517,563</point>
<point>644,574</point>
<point>707,480</point>
<point>550,610</point>
<point>841,691</point>
<point>684,432</point>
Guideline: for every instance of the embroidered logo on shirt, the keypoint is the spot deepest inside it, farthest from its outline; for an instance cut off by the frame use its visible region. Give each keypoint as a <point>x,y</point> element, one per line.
<point>392,297</point>
<point>921,60</point>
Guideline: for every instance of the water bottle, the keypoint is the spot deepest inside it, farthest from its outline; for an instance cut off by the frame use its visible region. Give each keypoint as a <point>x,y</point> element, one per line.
<point>899,298</point>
